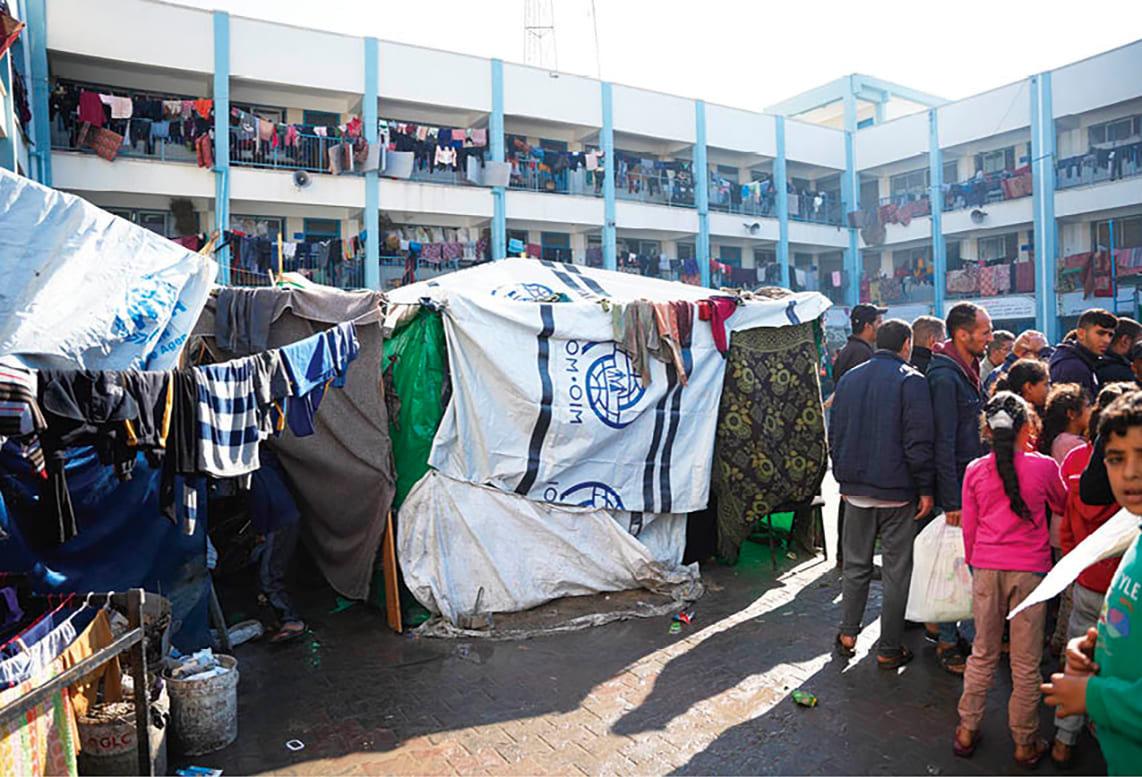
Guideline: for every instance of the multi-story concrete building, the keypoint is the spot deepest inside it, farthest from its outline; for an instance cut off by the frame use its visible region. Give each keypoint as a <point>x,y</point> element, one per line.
<point>1016,198</point>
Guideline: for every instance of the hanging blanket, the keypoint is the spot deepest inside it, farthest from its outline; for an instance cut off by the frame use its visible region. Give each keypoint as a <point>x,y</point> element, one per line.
<point>770,445</point>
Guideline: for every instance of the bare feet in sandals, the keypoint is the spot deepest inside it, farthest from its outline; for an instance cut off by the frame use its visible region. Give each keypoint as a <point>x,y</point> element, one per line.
<point>289,630</point>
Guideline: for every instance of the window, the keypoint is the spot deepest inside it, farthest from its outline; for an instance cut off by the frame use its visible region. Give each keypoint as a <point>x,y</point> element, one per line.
<point>276,115</point>
<point>261,226</point>
<point>759,175</point>
<point>996,161</point>
<point>952,255</point>
<point>154,220</point>
<point>730,255</point>
<point>553,145</point>
<point>871,263</point>
<point>320,118</point>
<point>909,258</point>
<point>686,251</point>
<point>321,229</point>
<point>763,257</point>
<point>728,172</point>
<point>555,246</point>
<point>1127,233</point>
<point>914,183</point>
<point>998,247</point>
<point>1115,131</point>
<point>649,247</point>
<point>951,172</point>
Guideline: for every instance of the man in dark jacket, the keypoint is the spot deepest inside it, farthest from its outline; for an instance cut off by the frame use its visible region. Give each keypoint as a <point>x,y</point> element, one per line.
<point>1116,364</point>
<point>1029,345</point>
<point>926,332</point>
<point>880,438</point>
<point>865,320</point>
<point>957,401</point>
<point>1077,362</point>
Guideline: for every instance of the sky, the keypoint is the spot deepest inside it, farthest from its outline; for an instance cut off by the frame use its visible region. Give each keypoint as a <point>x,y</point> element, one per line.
<point>744,53</point>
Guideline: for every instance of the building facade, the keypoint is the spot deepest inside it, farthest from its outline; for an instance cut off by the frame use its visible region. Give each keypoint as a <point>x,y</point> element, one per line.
<point>1026,199</point>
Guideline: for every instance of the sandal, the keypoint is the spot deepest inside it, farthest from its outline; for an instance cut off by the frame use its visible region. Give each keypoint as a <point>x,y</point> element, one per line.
<point>1063,754</point>
<point>952,660</point>
<point>966,751</point>
<point>289,630</point>
<point>932,635</point>
<point>896,659</point>
<point>1041,749</point>
<point>846,650</point>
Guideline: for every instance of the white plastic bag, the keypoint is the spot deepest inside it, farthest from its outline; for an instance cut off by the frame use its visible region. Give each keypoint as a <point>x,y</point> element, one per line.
<point>941,582</point>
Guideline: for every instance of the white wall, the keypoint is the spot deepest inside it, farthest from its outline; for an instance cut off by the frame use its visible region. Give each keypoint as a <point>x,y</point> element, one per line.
<point>732,225</point>
<point>884,143</point>
<point>635,215</point>
<point>814,145</point>
<point>529,91</point>
<point>278,53</point>
<point>653,114</point>
<point>564,212</point>
<point>1003,216</point>
<point>1099,197</point>
<point>818,235</point>
<point>1000,110</point>
<point>434,77</point>
<point>418,201</point>
<point>87,172</point>
<point>732,128</point>
<point>136,31</point>
<point>1073,138</point>
<point>917,229</point>
<point>277,186</point>
<point>1101,80</point>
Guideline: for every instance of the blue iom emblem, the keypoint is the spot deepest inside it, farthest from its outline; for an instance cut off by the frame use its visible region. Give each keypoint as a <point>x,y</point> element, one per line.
<point>613,387</point>
<point>524,292</point>
<point>593,494</point>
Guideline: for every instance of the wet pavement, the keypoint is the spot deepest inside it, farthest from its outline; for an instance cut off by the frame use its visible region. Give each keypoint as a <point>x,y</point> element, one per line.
<point>626,698</point>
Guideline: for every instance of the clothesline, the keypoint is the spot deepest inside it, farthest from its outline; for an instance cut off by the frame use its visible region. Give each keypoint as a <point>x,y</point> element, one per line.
<point>203,420</point>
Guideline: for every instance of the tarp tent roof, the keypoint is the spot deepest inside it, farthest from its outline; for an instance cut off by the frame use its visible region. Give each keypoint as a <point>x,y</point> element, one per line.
<point>84,289</point>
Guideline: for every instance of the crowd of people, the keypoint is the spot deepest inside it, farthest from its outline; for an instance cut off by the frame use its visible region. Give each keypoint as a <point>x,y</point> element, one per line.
<point>1028,449</point>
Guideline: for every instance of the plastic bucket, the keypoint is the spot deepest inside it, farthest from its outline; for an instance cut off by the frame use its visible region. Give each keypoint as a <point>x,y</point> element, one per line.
<point>204,713</point>
<point>109,746</point>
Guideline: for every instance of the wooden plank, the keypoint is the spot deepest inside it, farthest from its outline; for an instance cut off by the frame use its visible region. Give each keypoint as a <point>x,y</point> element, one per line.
<point>135,600</point>
<point>389,575</point>
<point>88,665</point>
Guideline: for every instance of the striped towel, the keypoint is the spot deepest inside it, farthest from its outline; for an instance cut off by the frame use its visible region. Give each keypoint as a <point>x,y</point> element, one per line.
<point>227,418</point>
<point>20,415</point>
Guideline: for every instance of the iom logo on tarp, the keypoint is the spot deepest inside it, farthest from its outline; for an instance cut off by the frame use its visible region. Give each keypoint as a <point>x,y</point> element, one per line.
<point>593,494</point>
<point>524,292</point>
<point>613,387</point>
<point>143,310</point>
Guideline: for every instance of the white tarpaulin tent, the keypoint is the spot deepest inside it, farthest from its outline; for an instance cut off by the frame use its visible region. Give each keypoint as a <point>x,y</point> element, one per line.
<point>507,553</point>
<point>545,405</point>
<point>84,289</point>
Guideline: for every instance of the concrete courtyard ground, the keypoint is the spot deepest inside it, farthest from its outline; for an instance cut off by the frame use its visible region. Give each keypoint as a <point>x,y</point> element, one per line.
<point>626,698</point>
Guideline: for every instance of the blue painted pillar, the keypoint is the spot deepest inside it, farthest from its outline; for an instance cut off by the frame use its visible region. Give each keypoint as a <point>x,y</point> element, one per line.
<point>610,167</point>
<point>499,194</point>
<point>702,191</point>
<point>1043,195</point>
<point>850,199</point>
<point>222,137</point>
<point>37,41</point>
<point>936,201</point>
<point>780,176</point>
<point>7,117</point>
<point>372,178</point>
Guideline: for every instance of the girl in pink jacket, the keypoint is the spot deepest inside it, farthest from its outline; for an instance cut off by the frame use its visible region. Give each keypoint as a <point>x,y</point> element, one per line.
<point>1007,499</point>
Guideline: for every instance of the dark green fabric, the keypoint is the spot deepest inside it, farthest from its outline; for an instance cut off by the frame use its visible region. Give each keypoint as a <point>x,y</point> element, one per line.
<point>770,446</point>
<point>418,378</point>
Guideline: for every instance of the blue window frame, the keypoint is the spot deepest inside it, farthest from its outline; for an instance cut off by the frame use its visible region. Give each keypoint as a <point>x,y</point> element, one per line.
<point>321,118</point>
<point>321,229</point>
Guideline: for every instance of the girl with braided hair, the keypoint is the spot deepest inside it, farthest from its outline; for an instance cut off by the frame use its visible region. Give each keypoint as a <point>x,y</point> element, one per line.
<point>1006,498</point>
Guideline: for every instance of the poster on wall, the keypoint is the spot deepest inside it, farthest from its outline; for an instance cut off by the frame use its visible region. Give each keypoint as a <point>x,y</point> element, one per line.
<point>1006,308</point>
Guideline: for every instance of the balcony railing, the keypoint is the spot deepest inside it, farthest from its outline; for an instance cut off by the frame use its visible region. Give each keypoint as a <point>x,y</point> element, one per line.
<point>1099,165</point>
<point>536,176</point>
<point>814,208</point>
<point>897,290</point>
<point>654,188</point>
<point>307,151</point>
<point>1007,277</point>
<point>988,188</point>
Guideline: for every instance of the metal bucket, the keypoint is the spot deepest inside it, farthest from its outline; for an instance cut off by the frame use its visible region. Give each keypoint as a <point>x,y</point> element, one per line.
<point>109,746</point>
<point>204,713</point>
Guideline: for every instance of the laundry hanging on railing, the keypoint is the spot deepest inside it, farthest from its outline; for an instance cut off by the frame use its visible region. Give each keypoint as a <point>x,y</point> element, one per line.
<point>183,420</point>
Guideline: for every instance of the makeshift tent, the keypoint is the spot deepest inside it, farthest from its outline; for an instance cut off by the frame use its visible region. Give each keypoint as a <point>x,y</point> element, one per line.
<point>87,290</point>
<point>342,474</point>
<point>549,411</point>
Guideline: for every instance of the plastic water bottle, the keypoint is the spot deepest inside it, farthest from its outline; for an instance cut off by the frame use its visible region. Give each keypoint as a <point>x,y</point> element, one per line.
<point>245,632</point>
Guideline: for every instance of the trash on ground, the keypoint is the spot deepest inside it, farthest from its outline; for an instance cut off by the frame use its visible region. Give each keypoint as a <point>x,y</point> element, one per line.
<point>199,771</point>
<point>804,698</point>
<point>201,665</point>
<point>295,745</point>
